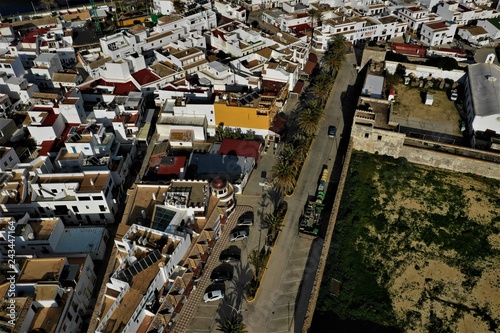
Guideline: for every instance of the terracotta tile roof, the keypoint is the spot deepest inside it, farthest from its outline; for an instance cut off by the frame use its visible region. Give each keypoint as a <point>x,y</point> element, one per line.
<point>409,49</point>
<point>145,76</point>
<point>298,87</point>
<point>121,88</point>
<point>309,67</point>
<point>300,27</point>
<point>242,148</point>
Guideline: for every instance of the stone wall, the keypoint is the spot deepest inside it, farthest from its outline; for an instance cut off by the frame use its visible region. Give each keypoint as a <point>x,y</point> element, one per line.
<point>424,71</point>
<point>326,245</point>
<point>367,138</point>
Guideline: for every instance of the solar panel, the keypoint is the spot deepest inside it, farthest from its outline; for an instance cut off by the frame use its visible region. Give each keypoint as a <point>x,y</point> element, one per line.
<point>139,266</point>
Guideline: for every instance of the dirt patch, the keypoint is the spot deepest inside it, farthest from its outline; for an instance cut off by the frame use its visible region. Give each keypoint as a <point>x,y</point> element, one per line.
<point>416,248</point>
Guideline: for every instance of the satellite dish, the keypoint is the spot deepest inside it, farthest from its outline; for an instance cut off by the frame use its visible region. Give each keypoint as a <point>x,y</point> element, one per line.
<point>31,236</point>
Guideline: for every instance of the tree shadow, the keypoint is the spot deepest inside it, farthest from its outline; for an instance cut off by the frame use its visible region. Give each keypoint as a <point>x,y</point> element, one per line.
<point>234,292</point>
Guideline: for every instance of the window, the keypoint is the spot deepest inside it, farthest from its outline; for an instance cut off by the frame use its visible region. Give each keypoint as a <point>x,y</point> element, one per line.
<point>96,198</point>
<point>102,217</point>
<point>83,198</point>
<point>102,208</point>
<point>367,135</point>
<point>70,317</point>
<point>75,209</point>
<point>379,138</point>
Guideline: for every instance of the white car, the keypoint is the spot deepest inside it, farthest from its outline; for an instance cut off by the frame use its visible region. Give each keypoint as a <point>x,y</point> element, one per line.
<point>238,235</point>
<point>213,295</point>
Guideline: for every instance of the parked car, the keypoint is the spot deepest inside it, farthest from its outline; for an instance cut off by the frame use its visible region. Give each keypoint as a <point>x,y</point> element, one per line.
<point>332,131</point>
<point>454,95</point>
<point>238,235</point>
<point>230,255</point>
<point>221,275</point>
<point>213,295</point>
<point>246,219</point>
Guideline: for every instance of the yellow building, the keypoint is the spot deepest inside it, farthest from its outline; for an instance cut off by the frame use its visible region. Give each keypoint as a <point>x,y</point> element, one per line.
<point>256,115</point>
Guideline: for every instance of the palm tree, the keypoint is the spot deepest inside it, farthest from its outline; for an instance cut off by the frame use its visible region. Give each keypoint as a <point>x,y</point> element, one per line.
<point>309,119</point>
<point>274,223</point>
<point>316,17</point>
<point>321,89</point>
<point>232,324</point>
<point>335,54</point>
<point>284,176</point>
<point>48,3</point>
<point>290,154</point>
<point>258,261</point>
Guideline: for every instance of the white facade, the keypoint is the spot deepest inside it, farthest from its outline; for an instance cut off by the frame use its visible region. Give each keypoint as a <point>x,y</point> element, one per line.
<point>138,240</point>
<point>8,157</point>
<point>492,26</point>
<point>11,65</point>
<point>474,34</point>
<point>464,13</point>
<point>416,16</point>
<point>18,88</point>
<point>79,198</point>
<point>482,99</point>
<point>45,126</point>
<point>438,33</point>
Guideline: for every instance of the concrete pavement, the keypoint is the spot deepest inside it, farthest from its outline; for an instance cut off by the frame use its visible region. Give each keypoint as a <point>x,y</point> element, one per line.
<point>284,293</point>
<point>291,269</point>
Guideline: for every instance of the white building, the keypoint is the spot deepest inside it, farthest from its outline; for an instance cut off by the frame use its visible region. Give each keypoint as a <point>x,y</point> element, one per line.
<point>476,35</point>
<point>438,33</point>
<point>8,158</point>
<point>11,65</point>
<point>482,98</point>
<point>54,294</point>
<point>87,197</point>
<point>49,236</point>
<point>17,88</point>
<point>416,16</point>
<point>492,26</point>
<point>44,67</point>
<point>149,263</point>
<point>463,13</point>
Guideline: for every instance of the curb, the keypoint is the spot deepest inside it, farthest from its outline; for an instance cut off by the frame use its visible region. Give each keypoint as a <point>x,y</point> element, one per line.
<point>265,269</point>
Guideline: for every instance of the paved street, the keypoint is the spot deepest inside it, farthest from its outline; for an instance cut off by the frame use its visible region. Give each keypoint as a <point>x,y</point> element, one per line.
<point>291,269</point>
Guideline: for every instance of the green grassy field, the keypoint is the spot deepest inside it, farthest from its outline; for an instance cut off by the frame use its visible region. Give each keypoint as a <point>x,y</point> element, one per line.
<point>416,249</point>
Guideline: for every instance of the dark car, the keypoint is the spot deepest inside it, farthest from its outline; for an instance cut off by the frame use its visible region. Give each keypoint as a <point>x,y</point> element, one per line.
<point>231,254</point>
<point>246,219</point>
<point>221,275</point>
<point>332,131</point>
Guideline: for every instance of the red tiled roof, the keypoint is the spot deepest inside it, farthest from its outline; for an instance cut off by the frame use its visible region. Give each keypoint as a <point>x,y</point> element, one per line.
<point>272,87</point>
<point>145,76</point>
<point>313,57</point>
<point>30,37</point>
<point>301,15</point>
<point>309,67</point>
<point>298,87</point>
<point>437,25</point>
<point>167,165</point>
<point>242,148</point>
<point>278,125</point>
<point>409,49</point>
<point>240,9</point>
<point>300,27</point>
<point>121,88</point>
